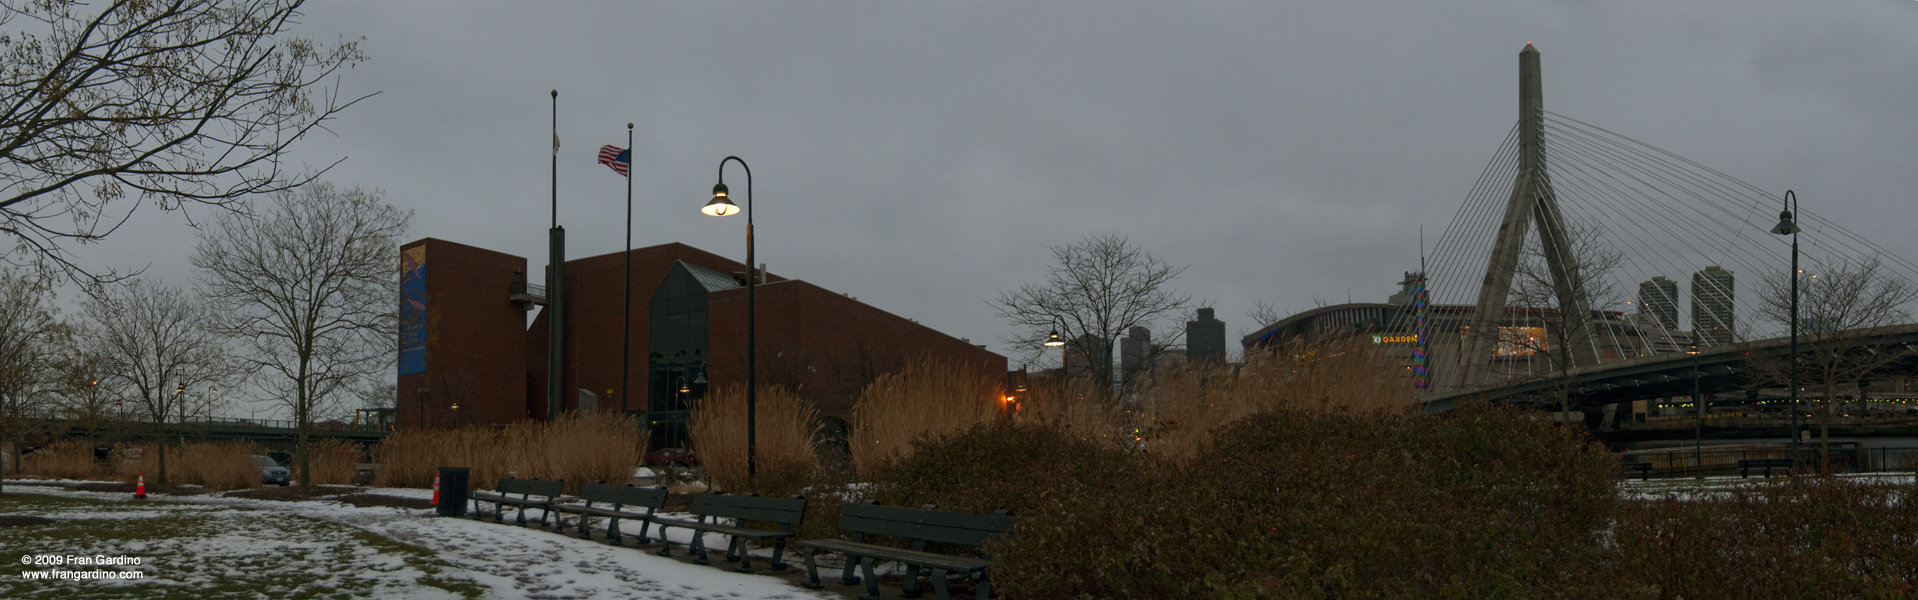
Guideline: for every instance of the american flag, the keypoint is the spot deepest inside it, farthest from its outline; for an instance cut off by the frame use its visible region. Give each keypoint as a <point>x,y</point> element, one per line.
<point>619,160</point>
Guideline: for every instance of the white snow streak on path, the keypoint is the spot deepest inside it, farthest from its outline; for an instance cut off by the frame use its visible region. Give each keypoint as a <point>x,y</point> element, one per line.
<point>527,562</point>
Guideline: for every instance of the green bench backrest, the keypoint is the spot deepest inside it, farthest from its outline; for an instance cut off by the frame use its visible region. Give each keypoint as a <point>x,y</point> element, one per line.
<point>782,511</point>
<point>942,526</point>
<point>535,487</point>
<point>623,495</point>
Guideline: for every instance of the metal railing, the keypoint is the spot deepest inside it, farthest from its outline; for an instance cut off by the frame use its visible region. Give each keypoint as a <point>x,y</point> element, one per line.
<point>521,287</point>
<point>275,424</point>
<point>1846,458</point>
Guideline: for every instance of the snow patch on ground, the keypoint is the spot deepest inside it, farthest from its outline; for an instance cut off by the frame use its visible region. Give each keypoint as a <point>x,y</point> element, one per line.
<point>512,561</point>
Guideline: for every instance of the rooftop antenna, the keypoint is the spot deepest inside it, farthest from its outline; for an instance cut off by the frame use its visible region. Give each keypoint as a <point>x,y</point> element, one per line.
<point>1421,250</point>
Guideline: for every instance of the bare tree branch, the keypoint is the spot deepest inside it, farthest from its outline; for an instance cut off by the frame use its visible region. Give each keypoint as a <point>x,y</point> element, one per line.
<point>1096,289</point>
<point>168,102</point>
<point>311,288</point>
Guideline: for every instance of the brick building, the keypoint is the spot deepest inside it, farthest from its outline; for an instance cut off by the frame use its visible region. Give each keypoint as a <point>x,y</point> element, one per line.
<point>465,340</point>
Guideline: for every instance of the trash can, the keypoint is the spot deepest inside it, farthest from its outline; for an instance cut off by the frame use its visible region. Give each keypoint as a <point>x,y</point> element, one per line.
<point>453,491</point>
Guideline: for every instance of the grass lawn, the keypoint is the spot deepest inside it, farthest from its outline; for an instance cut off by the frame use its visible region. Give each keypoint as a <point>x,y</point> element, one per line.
<point>198,551</point>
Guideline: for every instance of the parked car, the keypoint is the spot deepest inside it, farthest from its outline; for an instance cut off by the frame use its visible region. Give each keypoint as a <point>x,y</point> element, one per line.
<point>672,456</point>
<point>271,473</point>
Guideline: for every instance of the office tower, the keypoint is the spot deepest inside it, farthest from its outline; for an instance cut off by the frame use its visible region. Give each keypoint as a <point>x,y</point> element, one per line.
<point>1659,298</point>
<point>1712,322</point>
<point>1205,338</point>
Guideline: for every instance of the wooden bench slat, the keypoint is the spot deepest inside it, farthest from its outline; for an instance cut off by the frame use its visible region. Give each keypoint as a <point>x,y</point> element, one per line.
<point>926,559</point>
<point>788,514</point>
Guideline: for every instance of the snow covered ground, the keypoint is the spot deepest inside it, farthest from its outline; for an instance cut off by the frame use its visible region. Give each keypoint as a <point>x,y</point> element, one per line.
<point>213,546</point>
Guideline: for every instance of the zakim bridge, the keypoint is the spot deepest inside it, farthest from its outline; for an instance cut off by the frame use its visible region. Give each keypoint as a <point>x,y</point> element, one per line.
<point>1613,271</point>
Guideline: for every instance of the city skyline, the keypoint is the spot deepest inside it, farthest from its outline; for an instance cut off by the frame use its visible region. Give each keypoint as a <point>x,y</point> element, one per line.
<point>921,158</point>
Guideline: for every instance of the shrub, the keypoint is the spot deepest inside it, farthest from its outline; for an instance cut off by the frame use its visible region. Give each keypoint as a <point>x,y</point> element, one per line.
<point>785,453</point>
<point>1485,503</point>
<point>925,400</point>
<point>64,459</point>
<point>1809,536</point>
<point>606,448</point>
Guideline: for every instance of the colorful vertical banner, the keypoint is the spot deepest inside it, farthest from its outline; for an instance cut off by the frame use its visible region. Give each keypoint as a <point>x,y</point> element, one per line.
<point>413,310</point>
<point>1421,375</point>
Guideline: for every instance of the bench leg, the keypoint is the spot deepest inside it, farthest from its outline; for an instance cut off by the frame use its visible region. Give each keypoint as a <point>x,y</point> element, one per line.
<point>910,587</point>
<point>543,512</point>
<point>939,585</point>
<point>848,578</point>
<point>985,585</point>
<point>745,559</point>
<point>698,548</point>
<point>665,545</point>
<point>499,512</point>
<point>812,572</point>
<point>612,531</point>
<point>644,526</point>
<point>779,555</point>
<point>872,583</point>
<point>734,549</point>
<point>559,522</point>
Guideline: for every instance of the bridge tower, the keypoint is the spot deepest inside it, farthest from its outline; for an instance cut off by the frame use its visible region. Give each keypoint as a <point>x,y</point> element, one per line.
<point>1532,200</point>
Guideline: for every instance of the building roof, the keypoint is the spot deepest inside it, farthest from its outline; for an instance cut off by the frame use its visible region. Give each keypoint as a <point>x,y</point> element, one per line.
<point>710,279</point>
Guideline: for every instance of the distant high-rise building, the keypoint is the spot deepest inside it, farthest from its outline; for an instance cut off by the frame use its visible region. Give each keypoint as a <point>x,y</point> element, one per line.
<point>1134,349</point>
<point>1712,322</point>
<point>1205,338</point>
<point>1082,353</point>
<point>1659,298</point>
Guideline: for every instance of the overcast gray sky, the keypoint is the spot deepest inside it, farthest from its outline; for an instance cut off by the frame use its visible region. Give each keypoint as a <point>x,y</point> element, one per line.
<point>921,156</point>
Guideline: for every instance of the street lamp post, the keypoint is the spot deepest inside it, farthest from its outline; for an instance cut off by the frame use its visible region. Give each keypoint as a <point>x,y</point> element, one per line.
<point>721,206</point>
<point>1698,412</point>
<point>1787,226</point>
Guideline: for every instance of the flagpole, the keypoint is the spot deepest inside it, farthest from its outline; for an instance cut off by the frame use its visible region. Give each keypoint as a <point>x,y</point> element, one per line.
<point>555,289</point>
<point>626,351</point>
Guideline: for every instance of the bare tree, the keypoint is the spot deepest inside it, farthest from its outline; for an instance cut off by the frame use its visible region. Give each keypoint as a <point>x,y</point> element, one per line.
<point>1564,296</point>
<point>155,341</point>
<point>311,288</point>
<point>29,333</point>
<point>1097,289</point>
<point>86,399</point>
<point>168,102</point>
<point>1840,311</point>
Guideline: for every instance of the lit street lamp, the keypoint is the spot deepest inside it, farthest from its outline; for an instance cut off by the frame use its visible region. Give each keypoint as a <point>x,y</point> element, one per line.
<point>721,206</point>
<point>1786,226</point>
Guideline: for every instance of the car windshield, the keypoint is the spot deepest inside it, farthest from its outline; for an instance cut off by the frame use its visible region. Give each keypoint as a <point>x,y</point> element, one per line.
<point>262,461</point>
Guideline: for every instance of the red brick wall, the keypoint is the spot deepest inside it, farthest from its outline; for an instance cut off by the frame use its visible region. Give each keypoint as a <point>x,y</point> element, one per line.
<point>827,342</point>
<point>475,350</point>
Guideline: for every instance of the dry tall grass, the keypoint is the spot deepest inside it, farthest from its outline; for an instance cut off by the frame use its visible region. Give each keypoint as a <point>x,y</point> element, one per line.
<point>333,461</point>
<point>1181,409</point>
<point>605,448</point>
<point>65,459</point>
<point>785,453</point>
<point>216,465</point>
<point>923,402</point>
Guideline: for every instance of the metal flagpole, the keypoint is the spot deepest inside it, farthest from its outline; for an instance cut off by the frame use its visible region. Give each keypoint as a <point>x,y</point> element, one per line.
<point>626,350</point>
<point>555,288</point>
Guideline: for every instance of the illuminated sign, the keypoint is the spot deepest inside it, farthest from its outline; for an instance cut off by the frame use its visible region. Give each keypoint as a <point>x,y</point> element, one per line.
<point>1394,339</point>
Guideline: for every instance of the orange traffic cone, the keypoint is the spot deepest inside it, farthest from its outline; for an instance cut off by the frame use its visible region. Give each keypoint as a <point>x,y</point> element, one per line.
<point>140,491</point>
<point>436,489</point>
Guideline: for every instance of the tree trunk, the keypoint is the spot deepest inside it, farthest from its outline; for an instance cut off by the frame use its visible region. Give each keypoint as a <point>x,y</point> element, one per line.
<point>162,450</point>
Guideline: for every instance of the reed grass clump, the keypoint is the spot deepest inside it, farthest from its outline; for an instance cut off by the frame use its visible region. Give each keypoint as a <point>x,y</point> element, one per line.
<point>213,465</point>
<point>605,448</point>
<point>65,459</point>
<point>786,451</point>
<point>1182,409</point>
<point>925,401</point>
<point>333,461</point>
